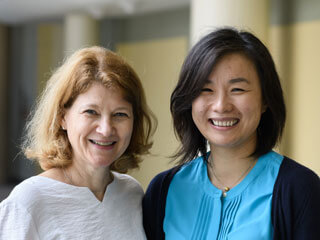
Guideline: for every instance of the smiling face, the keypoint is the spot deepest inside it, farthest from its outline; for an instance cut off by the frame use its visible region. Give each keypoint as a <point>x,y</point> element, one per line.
<point>228,110</point>
<point>99,125</point>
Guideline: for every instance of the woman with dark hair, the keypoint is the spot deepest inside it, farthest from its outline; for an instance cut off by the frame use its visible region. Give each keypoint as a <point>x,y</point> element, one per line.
<point>229,98</point>
<point>90,126</point>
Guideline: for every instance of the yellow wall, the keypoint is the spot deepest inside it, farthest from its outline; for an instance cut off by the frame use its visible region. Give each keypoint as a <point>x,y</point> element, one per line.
<point>296,50</point>
<point>157,63</point>
<point>49,54</point>
<point>49,37</point>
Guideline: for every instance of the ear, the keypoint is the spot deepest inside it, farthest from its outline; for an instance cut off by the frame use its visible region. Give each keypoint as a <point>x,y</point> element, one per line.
<point>264,108</point>
<point>63,123</point>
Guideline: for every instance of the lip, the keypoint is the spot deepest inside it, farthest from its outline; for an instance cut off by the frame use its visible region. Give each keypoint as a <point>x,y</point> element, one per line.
<point>103,144</point>
<point>224,123</point>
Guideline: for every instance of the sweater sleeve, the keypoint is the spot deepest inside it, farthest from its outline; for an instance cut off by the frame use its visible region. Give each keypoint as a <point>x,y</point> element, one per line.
<point>296,203</point>
<point>16,222</point>
<point>154,203</point>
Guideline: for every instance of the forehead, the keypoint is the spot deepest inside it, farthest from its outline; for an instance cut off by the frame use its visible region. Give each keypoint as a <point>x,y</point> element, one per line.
<point>101,94</point>
<point>234,68</point>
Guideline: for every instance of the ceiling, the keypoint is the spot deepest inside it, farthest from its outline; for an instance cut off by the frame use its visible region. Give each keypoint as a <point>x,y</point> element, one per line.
<point>19,11</point>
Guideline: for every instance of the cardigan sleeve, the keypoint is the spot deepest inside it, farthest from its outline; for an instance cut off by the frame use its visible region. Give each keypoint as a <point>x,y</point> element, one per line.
<point>154,203</point>
<point>296,203</point>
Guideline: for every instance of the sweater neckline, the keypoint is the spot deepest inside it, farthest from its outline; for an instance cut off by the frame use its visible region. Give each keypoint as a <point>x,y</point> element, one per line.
<point>85,191</point>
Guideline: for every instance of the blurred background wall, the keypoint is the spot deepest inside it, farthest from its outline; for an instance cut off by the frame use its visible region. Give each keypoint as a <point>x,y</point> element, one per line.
<point>155,44</point>
<point>294,42</point>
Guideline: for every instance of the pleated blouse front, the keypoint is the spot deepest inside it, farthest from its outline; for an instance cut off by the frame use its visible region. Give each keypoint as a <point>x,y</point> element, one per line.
<point>196,209</point>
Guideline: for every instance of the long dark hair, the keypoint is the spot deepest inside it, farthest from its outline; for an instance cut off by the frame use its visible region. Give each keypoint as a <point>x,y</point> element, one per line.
<point>194,73</point>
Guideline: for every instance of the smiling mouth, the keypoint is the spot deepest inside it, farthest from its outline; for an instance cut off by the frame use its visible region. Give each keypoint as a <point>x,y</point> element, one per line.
<point>219,123</point>
<point>104,144</point>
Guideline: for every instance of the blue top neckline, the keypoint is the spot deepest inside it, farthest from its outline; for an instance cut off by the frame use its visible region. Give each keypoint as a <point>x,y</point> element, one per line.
<point>215,192</point>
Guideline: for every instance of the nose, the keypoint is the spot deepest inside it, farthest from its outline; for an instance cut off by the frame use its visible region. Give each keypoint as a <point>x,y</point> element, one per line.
<point>105,127</point>
<point>222,103</point>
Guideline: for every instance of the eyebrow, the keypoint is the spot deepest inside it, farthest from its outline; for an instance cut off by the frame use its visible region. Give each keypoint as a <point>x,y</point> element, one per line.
<point>238,80</point>
<point>90,105</point>
<point>93,105</point>
<point>233,80</point>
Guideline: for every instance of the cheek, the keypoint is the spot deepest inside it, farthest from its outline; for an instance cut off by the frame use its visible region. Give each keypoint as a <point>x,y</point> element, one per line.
<point>73,136</point>
<point>198,108</point>
<point>254,113</point>
<point>250,106</point>
<point>127,132</point>
<point>129,135</point>
<point>79,131</point>
<point>194,114</point>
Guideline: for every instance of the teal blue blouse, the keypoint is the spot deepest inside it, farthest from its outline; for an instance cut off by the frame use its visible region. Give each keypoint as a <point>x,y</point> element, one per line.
<point>196,209</point>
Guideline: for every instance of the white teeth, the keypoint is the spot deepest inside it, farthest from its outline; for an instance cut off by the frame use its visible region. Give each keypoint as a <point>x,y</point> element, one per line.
<point>224,123</point>
<point>102,143</point>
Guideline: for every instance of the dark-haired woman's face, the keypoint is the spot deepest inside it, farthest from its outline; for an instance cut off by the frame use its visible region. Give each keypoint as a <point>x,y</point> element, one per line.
<point>229,108</point>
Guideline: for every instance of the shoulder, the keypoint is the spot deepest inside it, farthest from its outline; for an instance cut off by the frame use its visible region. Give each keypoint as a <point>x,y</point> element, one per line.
<point>189,170</point>
<point>297,189</point>
<point>16,219</point>
<point>162,180</point>
<point>11,208</point>
<point>296,177</point>
<point>156,194</point>
<point>26,193</point>
<point>296,185</point>
<point>127,183</point>
<point>295,201</point>
<point>125,179</point>
<point>16,222</point>
<point>154,202</point>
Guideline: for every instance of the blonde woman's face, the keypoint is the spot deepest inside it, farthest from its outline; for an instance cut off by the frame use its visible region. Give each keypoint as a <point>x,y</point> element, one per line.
<point>99,126</point>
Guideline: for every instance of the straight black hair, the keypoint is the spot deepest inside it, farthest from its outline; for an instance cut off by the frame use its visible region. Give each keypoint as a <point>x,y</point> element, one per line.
<point>194,73</point>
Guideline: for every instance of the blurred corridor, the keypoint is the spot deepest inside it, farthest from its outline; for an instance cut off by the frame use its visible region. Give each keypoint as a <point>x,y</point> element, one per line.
<point>154,37</point>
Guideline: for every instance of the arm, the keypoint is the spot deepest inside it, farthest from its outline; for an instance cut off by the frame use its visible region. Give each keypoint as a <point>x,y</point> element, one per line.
<point>295,203</point>
<point>16,222</point>
<point>307,223</point>
<point>154,203</point>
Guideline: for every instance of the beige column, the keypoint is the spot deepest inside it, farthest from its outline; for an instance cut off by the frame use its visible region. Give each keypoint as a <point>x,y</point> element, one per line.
<point>50,51</point>
<point>80,30</point>
<point>251,15</point>
<point>3,100</point>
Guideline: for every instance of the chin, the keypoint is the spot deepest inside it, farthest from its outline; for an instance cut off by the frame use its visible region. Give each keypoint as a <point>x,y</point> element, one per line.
<point>225,144</point>
<point>101,163</point>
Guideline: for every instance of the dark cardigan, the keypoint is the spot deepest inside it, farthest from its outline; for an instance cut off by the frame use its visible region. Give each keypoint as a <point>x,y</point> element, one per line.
<point>295,203</point>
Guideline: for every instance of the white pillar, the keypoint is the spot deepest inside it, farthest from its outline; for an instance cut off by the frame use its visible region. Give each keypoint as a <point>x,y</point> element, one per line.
<point>250,15</point>
<point>3,101</point>
<point>80,30</point>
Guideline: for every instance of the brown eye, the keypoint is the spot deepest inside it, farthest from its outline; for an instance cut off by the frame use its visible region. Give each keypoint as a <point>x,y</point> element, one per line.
<point>206,90</point>
<point>237,90</point>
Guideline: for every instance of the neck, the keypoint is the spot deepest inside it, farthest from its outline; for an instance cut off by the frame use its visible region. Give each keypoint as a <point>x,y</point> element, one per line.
<point>96,180</point>
<point>226,170</point>
<point>230,161</point>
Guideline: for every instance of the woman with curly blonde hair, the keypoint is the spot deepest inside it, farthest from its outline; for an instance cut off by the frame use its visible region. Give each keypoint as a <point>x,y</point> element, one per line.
<point>90,126</point>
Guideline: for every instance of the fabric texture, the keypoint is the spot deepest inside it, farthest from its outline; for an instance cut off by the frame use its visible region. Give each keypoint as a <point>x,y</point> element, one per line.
<point>201,211</point>
<point>294,211</point>
<point>43,208</point>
